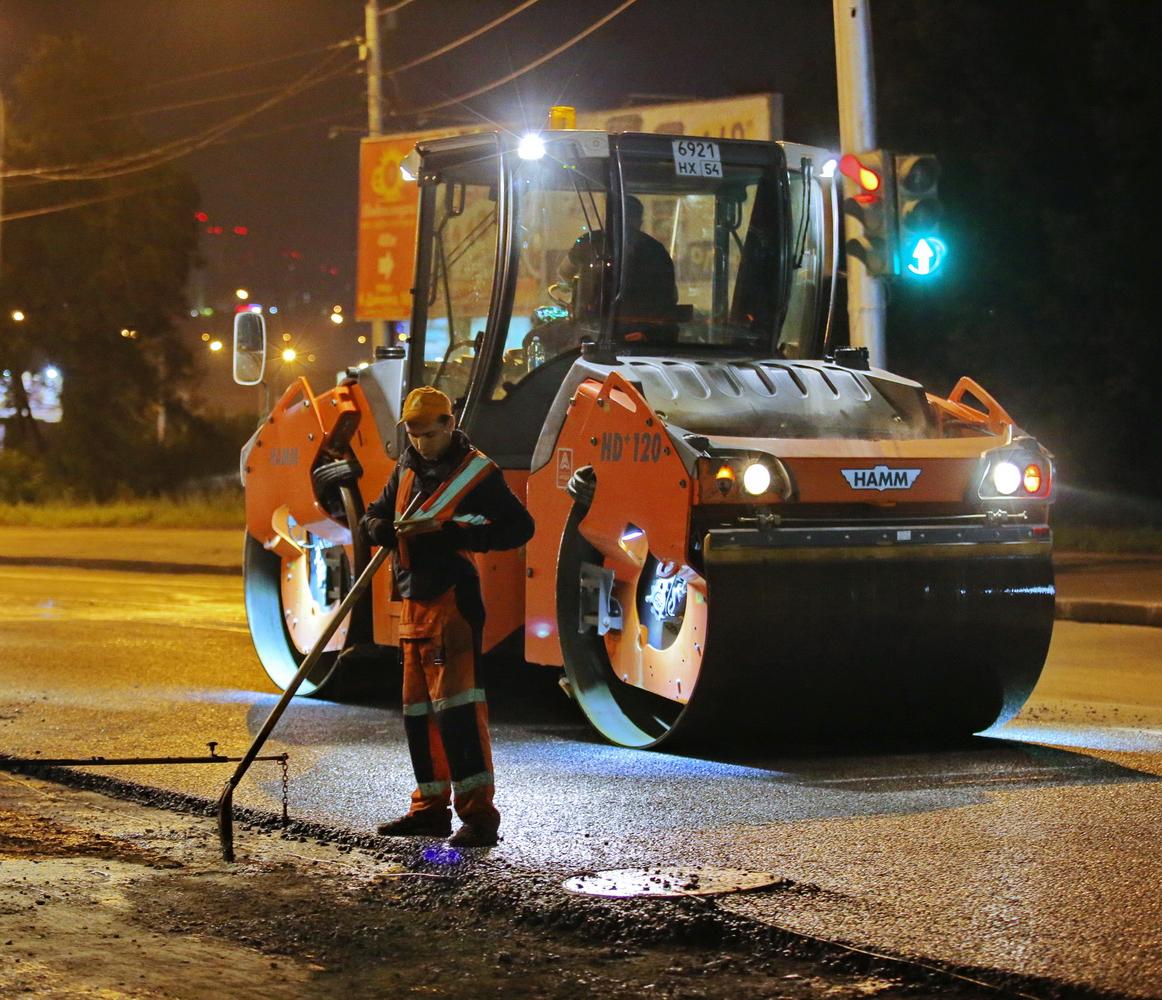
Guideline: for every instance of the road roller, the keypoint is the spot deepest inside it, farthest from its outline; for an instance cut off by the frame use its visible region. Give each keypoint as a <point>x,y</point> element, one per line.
<point>744,530</point>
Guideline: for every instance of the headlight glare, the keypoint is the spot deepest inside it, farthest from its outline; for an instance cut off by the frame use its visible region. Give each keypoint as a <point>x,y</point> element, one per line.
<point>756,479</point>
<point>1006,478</point>
<point>531,147</point>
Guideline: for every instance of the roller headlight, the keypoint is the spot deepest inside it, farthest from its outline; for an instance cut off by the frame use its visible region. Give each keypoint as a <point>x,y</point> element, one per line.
<point>1017,472</point>
<point>1006,478</point>
<point>756,479</point>
<point>743,477</point>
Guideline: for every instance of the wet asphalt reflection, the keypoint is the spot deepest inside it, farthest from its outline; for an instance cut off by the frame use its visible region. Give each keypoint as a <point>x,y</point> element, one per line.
<point>1030,848</point>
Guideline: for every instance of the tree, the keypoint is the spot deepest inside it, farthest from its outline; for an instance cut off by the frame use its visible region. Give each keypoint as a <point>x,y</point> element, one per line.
<point>118,260</point>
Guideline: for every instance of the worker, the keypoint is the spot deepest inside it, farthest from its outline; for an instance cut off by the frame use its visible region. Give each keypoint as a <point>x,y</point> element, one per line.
<point>443,501</point>
<point>649,294</point>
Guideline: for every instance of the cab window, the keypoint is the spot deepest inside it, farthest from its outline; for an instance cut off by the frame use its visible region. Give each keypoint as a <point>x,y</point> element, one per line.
<point>457,283</point>
<point>559,211</point>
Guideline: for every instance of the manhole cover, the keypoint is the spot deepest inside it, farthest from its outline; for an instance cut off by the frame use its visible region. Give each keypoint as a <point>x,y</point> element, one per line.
<point>668,882</point>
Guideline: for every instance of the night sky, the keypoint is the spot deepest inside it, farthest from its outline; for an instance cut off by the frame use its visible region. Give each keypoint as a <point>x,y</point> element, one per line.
<point>290,174</point>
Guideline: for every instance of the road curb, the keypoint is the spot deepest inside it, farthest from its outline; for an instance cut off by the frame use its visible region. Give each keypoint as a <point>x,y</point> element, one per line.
<point>121,565</point>
<point>1110,612</point>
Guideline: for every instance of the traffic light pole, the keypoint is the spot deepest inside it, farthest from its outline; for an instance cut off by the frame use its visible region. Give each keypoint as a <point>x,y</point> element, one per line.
<point>857,131</point>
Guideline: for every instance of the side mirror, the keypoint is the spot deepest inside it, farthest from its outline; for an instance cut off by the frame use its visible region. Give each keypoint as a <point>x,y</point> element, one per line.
<point>249,348</point>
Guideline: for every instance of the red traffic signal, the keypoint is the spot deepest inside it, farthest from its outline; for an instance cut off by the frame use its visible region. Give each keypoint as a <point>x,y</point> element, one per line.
<point>870,182</point>
<point>869,210</point>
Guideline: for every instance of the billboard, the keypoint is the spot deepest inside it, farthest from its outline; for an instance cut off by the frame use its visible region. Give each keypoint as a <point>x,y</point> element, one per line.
<point>387,225</point>
<point>755,116</point>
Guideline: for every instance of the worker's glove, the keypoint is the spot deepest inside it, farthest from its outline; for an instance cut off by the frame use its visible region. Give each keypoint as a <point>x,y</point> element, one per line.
<point>377,530</point>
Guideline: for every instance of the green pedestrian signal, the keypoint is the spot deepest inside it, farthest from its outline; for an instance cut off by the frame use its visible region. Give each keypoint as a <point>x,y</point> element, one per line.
<point>918,212</point>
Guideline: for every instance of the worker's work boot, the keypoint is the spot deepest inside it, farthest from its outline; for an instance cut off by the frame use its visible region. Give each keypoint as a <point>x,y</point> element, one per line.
<point>430,823</point>
<point>474,835</point>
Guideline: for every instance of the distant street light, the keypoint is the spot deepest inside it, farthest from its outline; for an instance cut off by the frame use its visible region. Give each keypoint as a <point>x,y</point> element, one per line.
<point>17,316</point>
<point>289,354</point>
<point>241,293</point>
<point>336,318</point>
<point>215,346</point>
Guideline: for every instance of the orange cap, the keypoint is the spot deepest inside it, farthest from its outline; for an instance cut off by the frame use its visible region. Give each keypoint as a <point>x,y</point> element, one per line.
<point>424,404</point>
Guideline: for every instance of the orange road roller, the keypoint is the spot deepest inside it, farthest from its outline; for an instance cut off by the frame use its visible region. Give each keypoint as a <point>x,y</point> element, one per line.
<point>744,530</point>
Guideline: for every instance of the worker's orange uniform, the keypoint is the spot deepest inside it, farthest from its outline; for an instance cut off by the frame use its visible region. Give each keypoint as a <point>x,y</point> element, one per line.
<point>442,621</point>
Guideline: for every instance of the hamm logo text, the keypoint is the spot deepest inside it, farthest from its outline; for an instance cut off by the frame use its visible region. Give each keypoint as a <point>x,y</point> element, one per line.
<point>880,478</point>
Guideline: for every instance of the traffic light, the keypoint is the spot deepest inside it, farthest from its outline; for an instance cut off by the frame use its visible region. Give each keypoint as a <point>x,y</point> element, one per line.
<point>869,203</point>
<point>918,214</point>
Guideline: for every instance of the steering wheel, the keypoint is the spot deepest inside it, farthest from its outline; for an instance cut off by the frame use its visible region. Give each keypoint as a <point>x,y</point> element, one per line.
<point>561,293</point>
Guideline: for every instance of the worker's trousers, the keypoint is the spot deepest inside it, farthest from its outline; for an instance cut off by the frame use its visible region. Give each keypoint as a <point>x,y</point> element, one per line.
<point>445,714</point>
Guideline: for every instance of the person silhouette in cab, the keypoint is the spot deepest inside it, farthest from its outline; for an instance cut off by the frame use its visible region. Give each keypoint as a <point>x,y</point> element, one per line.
<point>649,293</point>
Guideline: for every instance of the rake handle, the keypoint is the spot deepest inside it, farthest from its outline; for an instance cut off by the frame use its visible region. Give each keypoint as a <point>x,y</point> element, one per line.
<point>226,799</point>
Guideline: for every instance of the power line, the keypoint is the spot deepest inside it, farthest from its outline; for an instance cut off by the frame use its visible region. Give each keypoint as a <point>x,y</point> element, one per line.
<point>167,152</point>
<point>343,43</point>
<point>463,40</point>
<point>459,99</point>
<point>148,159</point>
<point>183,105</point>
<point>81,202</point>
<point>392,9</point>
<point>324,120</point>
<point>237,67</point>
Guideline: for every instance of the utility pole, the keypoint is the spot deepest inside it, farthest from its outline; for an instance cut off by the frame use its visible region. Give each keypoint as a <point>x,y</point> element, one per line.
<point>374,115</point>
<point>855,75</point>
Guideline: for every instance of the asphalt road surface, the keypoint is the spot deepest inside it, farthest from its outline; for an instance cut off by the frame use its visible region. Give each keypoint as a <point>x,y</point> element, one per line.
<point>1032,849</point>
